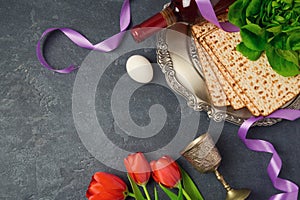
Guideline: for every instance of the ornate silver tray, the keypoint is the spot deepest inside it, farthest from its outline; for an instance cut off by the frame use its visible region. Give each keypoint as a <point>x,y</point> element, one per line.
<point>178,59</point>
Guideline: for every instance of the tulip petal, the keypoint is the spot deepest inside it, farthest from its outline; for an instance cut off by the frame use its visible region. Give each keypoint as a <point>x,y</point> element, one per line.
<point>109,180</point>
<point>106,186</point>
<point>95,188</point>
<point>138,168</point>
<point>106,196</point>
<point>166,171</point>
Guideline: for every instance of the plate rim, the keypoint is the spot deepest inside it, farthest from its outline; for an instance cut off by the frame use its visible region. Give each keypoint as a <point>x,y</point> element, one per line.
<point>165,62</point>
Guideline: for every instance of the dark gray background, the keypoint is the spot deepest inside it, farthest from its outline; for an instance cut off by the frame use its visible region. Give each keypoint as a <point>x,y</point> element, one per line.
<point>41,155</point>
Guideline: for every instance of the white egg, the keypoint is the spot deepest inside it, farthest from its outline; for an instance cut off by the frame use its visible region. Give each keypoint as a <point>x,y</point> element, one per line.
<point>139,69</point>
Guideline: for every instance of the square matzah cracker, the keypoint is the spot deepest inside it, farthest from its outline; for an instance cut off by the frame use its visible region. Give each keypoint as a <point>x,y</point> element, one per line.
<point>266,89</point>
<point>216,83</point>
<point>215,89</point>
<point>217,95</point>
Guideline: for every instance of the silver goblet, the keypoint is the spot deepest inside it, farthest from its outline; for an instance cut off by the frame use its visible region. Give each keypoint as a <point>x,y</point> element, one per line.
<point>205,157</point>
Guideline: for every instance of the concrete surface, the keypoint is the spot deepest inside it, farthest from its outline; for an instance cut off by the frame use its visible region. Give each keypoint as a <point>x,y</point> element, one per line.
<point>41,154</point>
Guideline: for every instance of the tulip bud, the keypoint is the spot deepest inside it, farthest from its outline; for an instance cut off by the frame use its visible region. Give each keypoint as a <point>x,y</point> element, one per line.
<point>166,172</point>
<point>106,186</point>
<point>138,168</point>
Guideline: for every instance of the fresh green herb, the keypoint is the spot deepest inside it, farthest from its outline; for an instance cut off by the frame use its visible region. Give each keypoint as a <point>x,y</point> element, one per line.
<point>271,26</point>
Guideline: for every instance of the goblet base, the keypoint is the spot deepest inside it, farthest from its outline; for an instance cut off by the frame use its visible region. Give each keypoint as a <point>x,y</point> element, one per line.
<point>240,194</point>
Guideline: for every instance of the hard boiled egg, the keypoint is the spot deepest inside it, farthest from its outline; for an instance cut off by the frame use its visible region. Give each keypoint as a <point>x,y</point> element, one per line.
<point>139,69</point>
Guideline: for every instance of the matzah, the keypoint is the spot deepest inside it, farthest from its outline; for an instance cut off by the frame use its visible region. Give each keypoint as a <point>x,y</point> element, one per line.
<point>216,84</point>
<point>260,85</point>
<point>217,95</point>
<point>215,89</point>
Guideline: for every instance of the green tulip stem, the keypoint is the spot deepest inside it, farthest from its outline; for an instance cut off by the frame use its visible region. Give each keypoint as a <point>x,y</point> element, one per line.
<point>146,192</point>
<point>186,194</point>
<point>130,194</point>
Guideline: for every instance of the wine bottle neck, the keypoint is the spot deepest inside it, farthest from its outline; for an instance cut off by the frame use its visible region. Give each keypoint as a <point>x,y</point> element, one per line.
<point>168,16</point>
<point>147,28</point>
<point>178,10</point>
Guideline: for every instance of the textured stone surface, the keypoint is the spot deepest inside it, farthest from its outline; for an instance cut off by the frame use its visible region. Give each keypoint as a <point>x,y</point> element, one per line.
<point>41,154</point>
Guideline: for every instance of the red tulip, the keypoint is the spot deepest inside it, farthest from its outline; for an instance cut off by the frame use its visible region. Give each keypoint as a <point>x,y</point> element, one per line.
<point>106,186</point>
<point>138,168</point>
<point>166,171</point>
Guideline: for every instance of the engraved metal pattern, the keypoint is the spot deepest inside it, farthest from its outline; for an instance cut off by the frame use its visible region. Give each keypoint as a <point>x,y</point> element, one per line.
<point>166,64</point>
<point>164,60</point>
<point>203,154</point>
<point>205,157</point>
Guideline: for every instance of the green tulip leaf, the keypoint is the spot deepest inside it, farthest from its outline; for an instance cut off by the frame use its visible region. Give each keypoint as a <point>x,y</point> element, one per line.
<point>189,186</point>
<point>168,192</point>
<point>180,194</point>
<point>155,193</point>
<point>136,191</point>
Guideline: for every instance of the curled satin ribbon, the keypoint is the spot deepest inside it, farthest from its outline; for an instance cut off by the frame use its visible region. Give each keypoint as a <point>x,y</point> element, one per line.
<point>207,11</point>
<point>205,8</point>
<point>105,46</point>
<point>289,188</point>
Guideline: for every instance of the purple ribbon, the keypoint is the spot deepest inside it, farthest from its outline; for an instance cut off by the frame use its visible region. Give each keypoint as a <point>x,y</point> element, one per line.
<point>207,11</point>
<point>289,188</point>
<point>113,42</point>
<point>105,46</point>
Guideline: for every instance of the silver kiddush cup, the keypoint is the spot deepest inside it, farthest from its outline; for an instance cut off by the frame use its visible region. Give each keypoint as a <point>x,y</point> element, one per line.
<point>205,157</point>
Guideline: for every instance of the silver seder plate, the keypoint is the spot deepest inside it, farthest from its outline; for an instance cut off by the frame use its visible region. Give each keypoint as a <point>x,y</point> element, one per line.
<point>178,59</point>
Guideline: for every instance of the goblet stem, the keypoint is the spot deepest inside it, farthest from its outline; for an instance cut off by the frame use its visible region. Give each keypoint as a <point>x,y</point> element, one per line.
<point>222,180</point>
